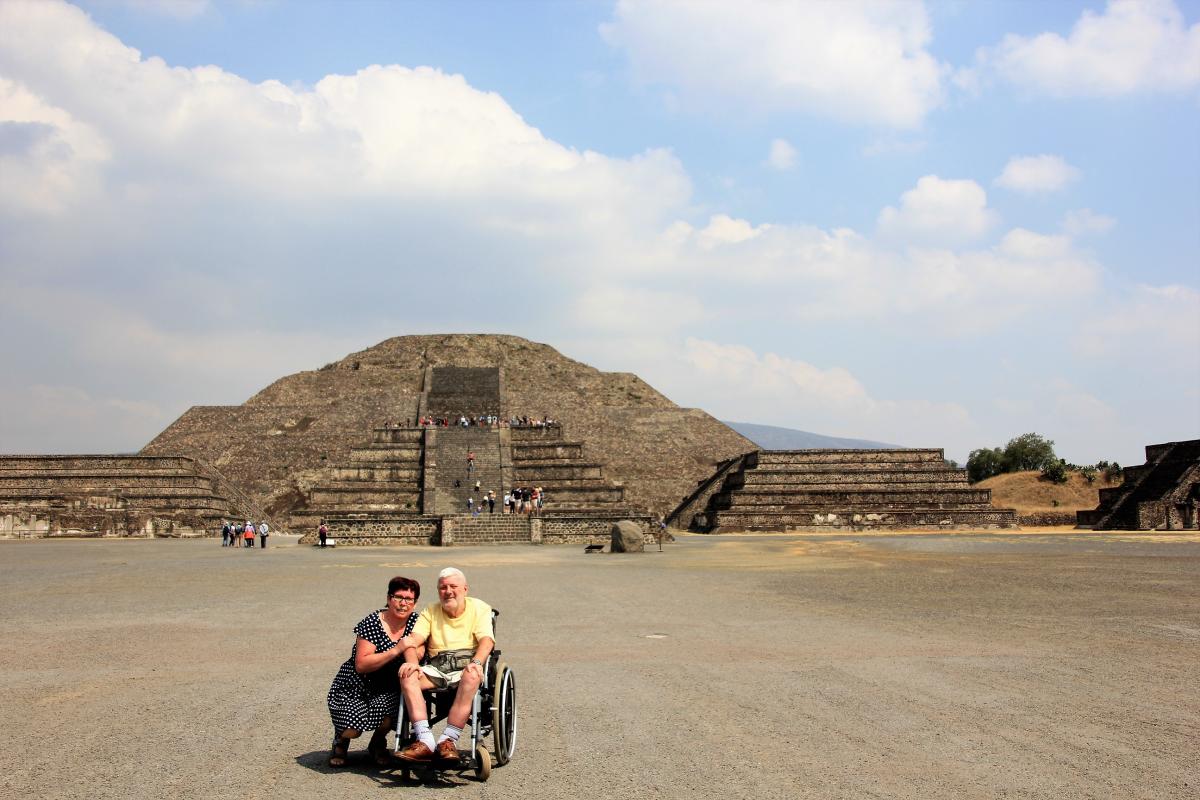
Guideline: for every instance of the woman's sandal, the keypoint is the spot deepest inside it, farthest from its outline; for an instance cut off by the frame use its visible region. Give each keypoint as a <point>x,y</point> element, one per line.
<point>379,750</point>
<point>337,756</point>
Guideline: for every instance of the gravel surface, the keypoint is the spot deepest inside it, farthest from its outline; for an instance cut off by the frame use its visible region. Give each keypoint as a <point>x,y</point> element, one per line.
<point>832,666</point>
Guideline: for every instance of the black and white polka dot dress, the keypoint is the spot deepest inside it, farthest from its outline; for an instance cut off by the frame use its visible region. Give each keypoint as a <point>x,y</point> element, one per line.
<point>363,701</point>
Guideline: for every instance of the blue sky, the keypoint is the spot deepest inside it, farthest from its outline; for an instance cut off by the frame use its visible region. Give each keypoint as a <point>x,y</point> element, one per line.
<point>940,224</point>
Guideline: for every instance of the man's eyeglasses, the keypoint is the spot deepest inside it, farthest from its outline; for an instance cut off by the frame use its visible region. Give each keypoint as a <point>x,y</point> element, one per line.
<point>404,598</point>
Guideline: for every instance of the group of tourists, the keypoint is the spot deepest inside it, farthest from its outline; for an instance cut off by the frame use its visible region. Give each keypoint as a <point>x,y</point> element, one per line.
<point>477,421</point>
<point>240,534</point>
<point>524,500</point>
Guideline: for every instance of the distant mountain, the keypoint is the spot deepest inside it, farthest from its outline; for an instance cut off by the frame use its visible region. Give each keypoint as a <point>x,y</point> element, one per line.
<point>770,437</point>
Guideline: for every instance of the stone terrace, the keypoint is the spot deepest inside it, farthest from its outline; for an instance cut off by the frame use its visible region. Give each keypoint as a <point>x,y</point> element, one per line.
<point>385,475</point>
<point>796,489</point>
<point>541,457</point>
<point>115,495</point>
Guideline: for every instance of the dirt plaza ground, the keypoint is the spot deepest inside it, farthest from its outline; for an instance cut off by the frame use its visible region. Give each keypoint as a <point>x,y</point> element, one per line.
<point>829,666</point>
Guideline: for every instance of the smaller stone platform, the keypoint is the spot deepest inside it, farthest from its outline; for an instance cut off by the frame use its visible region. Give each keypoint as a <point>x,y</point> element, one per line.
<point>1162,494</point>
<point>836,489</point>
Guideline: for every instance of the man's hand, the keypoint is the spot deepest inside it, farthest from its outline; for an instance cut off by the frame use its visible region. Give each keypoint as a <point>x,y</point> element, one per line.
<point>474,669</point>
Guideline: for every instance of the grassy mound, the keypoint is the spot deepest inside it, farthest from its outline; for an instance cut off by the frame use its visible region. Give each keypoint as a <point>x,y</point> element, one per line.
<point>1028,494</point>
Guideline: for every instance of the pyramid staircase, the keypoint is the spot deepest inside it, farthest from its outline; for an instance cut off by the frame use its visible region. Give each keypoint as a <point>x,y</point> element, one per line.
<point>1163,493</point>
<point>852,489</point>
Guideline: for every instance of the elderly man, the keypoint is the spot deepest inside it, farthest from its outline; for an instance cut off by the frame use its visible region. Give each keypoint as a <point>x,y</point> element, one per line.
<point>457,633</point>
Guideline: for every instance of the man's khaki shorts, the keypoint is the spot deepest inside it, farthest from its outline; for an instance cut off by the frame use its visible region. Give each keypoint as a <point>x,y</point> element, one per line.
<point>453,662</point>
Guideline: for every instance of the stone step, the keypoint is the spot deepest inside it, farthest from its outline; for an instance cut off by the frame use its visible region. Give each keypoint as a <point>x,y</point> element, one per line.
<point>389,473</point>
<point>363,455</point>
<point>82,482</point>
<point>767,457</point>
<point>847,518</point>
<point>892,470</point>
<point>98,462</point>
<point>391,436</point>
<point>550,473</point>
<point>840,496</point>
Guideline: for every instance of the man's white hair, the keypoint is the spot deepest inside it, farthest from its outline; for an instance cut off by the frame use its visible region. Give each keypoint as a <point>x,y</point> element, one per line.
<point>450,572</point>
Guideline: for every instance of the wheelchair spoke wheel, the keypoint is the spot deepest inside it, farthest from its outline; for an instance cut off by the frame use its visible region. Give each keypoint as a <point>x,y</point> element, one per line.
<point>483,763</point>
<point>504,714</point>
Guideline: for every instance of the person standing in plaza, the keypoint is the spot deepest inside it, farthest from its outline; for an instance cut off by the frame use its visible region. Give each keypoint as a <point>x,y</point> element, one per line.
<point>264,531</point>
<point>322,532</point>
<point>249,533</point>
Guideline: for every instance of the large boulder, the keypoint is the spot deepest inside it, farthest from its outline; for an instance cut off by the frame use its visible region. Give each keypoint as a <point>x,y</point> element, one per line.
<point>627,537</point>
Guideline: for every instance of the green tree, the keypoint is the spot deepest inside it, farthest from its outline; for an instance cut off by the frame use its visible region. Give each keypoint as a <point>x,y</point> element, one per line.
<point>1028,451</point>
<point>984,463</point>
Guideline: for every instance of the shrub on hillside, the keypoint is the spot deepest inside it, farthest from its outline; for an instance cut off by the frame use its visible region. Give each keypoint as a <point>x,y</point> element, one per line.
<point>1055,472</point>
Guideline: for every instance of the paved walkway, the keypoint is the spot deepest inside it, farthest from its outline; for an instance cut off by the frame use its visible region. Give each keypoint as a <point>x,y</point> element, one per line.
<point>916,666</point>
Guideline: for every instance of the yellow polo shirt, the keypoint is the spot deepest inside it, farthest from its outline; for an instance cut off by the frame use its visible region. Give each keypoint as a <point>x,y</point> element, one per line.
<point>463,632</point>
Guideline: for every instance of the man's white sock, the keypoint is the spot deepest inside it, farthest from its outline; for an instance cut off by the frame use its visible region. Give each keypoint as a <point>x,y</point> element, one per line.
<point>452,733</point>
<point>423,734</point>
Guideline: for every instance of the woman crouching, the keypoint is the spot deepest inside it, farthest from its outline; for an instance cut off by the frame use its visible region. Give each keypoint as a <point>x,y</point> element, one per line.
<point>365,694</point>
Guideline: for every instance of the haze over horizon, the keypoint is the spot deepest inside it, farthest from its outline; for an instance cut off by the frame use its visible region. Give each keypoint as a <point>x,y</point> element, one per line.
<point>940,224</point>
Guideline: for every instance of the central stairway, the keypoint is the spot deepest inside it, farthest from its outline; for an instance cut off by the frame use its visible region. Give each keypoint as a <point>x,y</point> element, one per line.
<point>447,463</point>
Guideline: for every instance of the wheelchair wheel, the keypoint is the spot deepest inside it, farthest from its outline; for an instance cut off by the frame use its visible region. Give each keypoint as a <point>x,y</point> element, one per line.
<point>504,714</point>
<point>483,763</point>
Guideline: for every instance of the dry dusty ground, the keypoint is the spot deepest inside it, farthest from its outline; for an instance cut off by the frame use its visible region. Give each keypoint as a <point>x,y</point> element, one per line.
<point>833,666</point>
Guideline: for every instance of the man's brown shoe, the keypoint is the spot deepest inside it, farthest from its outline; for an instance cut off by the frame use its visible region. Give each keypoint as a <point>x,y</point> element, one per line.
<point>447,751</point>
<point>416,752</point>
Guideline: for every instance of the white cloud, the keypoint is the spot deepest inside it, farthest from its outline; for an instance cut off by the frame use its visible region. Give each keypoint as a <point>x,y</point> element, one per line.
<point>939,211</point>
<point>1085,222</point>
<point>776,389</point>
<point>1135,45</point>
<point>1160,320</point>
<point>782,155</point>
<point>856,61</point>
<point>1031,174</point>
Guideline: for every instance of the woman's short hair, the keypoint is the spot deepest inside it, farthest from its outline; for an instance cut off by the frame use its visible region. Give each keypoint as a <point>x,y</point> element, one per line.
<point>400,582</point>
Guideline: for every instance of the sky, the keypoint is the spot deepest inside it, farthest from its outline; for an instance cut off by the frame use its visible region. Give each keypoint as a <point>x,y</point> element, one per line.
<point>937,224</point>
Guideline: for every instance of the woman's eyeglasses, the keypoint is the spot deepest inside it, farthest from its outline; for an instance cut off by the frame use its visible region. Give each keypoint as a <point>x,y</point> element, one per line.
<point>403,598</point>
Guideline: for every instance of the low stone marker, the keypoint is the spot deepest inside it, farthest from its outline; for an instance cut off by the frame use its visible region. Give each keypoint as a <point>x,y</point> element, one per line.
<point>627,537</point>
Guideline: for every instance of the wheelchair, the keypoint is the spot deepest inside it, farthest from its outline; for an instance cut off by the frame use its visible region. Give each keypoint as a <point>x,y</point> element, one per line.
<point>493,713</point>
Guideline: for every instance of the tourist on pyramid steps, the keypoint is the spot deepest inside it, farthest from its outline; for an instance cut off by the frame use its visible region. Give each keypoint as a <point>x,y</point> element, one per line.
<point>477,484</point>
<point>491,498</point>
<point>263,532</point>
<point>365,694</point>
<point>458,633</point>
<point>225,532</point>
<point>470,461</point>
<point>249,533</point>
<point>470,504</point>
<point>322,532</point>
<point>457,483</point>
<point>507,502</point>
